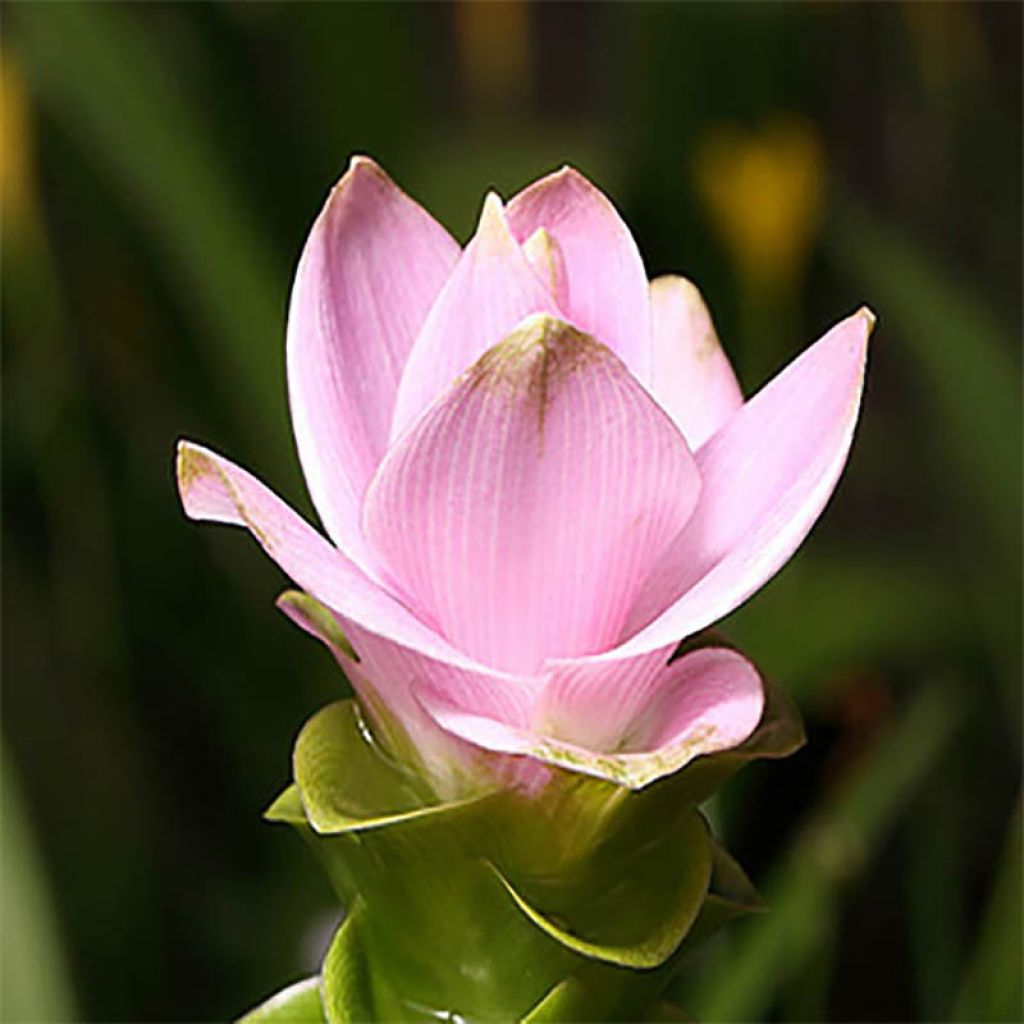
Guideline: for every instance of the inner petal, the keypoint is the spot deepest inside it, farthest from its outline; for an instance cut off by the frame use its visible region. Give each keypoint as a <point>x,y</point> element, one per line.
<point>524,509</point>
<point>490,290</point>
<point>544,255</point>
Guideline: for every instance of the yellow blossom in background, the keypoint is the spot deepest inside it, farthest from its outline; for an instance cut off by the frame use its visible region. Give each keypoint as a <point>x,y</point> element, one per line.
<point>494,50</point>
<point>763,193</point>
<point>16,158</point>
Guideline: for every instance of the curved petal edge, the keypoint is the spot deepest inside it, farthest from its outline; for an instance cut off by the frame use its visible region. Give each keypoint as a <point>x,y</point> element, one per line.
<point>606,282</point>
<point>691,376</point>
<point>524,509</point>
<point>707,701</point>
<point>215,489</point>
<point>767,474</point>
<point>369,272</point>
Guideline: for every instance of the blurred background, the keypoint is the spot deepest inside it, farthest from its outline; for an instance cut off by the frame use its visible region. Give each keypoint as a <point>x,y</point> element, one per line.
<point>161,166</point>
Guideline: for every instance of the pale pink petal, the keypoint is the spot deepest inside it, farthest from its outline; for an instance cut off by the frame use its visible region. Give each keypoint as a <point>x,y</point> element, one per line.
<point>387,677</point>
<point>476,726</point>
<point>544,255</point>
<point>491,289</point>
<point>213,488</point>
<point>691,377</point>
<point>372,266</point>
<point>497,693</point>
<point>594,704</point>
<point>525,508</point>
<point>642,704</point>
<point>706,701</point>
<point>607,284</point>
<point>398,675</point>
<point>766,477</point>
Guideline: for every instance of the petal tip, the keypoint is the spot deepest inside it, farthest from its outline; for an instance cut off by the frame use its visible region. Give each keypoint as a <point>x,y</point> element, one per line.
<point>360,161</point>
<point>191,463</point>
<point>360,164</point>
<point>675,282</point>
<point>360,168</point>
<point>317,619</point>
<point>492,229</point>
<point>869,317</point>
<point>205,492</point>
<point>541,324</point>
<point>541,344</point>
<point>493,209</point>
<point>573,175</point>
<point>564,176</point>
<point>669,288</point>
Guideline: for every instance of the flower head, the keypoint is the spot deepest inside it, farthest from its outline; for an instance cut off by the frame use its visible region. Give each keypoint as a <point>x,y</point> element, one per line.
<point>538,474</point>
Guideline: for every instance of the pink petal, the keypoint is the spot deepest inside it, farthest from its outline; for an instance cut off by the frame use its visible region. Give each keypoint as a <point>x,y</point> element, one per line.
<point>544,255</point>
<point>213,488</point>
<point>766,475</point>
<point>708,700</point>
<point>691,377</point>
<point>491,289</point>
<point>396,650</point>
<point>387,677</point>
<point>526,507</point>
<point>371,269</point>
<point>398,675</point>
<point>607,284</point>
<point>593,704</point>
<point>642,704</point>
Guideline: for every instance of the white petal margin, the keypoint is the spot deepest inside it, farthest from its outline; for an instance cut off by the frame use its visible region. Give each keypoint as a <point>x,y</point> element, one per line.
<point>707,701</point>
<point>691,376</point>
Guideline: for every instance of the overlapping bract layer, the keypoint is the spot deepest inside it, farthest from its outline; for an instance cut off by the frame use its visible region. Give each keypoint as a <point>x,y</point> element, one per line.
<point>578,906</point>
<point>538,475</point>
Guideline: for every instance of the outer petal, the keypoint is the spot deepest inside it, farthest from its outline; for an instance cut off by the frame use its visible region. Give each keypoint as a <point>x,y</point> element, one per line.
<point>490,291</point>
<point>396,650</point>
<point>387,673</point>
<point>711,697</point>
<point>526,507</point>
<point>213,488</point>
<point>766,475</point>
<point>706,701</point>
<point>691,377</point>
<point>399,675</point>
<point>607,284</point>
<point>371,269</point>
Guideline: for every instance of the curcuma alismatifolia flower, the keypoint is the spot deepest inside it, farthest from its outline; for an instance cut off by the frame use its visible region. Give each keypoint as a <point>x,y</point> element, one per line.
<point>538,474</point>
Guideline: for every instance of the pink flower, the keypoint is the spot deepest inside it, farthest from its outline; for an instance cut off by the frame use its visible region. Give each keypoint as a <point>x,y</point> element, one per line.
<point>538,474</point>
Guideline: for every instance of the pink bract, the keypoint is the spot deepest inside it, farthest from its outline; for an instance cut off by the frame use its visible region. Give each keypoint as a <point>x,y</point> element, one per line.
<point>538,474</point>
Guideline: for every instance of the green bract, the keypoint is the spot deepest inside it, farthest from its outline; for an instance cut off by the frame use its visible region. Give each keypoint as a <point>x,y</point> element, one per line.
<point>575,903</point>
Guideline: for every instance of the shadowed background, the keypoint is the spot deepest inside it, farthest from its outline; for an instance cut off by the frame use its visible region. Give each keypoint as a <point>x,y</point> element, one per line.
<point>161,166</point>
